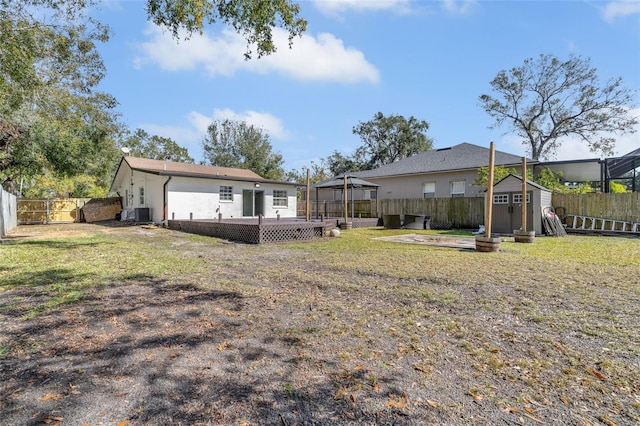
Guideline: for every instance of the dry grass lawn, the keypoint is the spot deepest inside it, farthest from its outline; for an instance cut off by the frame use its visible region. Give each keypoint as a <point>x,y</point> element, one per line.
<point>128,325</point>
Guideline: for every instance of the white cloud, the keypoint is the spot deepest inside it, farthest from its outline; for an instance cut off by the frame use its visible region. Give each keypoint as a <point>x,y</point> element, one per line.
<point>459,7</point>
<point>622,8</point>
<point>321,58</point>
<point>176,133</point>
<point>336,7</point>
<point>271,124</point>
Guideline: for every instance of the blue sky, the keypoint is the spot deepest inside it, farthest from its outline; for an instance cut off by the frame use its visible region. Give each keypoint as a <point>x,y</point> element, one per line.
<point>429,59</point>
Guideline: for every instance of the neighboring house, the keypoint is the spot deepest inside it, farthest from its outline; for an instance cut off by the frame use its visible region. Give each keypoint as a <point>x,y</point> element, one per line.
<point>438,173</point>
<point>172,190</point>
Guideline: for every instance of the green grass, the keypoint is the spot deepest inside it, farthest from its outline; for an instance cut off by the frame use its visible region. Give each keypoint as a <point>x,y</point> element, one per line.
<point>60,271</point>
<point>545,315</point>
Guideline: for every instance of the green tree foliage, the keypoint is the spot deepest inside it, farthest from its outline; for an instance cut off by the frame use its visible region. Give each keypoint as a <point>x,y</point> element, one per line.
<point>617,187</point>
<point>389,139</point>
<point>338,164</point>
<point>254,20</point>
<point>554,182</point>
<point>51,119</point>
<point>499,173</point>
<point>237,144</point>
<point>78,186</point>
<point>318,172</point>
<point>142,144</point>
<point>546,99</point>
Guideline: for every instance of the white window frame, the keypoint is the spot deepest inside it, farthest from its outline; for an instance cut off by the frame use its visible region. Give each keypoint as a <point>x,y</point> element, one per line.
<point>226,193</point>
<point>369,194</point>
<point>280,198</point>
<point>500,198</point>
<point>141,195</point>
<point>517,198</point>
<point>458,183</point>
<point>425,190</point>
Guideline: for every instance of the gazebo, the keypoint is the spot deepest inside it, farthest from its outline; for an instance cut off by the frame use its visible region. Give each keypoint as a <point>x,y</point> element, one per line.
<point>346,183</point>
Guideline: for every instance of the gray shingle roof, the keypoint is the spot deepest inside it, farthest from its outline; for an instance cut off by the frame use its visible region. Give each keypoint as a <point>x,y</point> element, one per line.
<point>338,182</point>
<point>463,156</point>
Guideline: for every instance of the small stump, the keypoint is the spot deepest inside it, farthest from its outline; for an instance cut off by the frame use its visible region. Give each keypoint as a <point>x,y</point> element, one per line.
<point>524,236</point>
<point>487,244</point>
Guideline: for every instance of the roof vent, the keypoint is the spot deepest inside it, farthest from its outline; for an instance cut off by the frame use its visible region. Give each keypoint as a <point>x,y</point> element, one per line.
<point>443,149</point>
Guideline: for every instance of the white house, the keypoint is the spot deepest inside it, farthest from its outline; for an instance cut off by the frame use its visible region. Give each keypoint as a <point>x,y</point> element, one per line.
<point>159,190</point>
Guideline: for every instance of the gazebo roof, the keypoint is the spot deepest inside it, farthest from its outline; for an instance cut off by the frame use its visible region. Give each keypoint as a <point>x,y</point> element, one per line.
<point>338,183</point>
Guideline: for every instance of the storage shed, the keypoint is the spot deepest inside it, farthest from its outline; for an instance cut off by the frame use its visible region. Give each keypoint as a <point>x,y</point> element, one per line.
<point>507,205</point>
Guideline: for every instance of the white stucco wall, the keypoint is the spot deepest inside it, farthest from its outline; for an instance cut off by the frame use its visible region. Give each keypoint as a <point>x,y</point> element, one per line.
<point>196,198</point>
<point>200,197</point>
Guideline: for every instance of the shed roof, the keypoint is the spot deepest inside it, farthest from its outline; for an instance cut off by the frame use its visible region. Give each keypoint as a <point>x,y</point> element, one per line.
<point>529,182</point>
<point>464,156</point>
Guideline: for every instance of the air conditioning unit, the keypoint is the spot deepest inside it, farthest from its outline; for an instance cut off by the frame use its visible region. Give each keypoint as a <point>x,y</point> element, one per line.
<point>142,214</point>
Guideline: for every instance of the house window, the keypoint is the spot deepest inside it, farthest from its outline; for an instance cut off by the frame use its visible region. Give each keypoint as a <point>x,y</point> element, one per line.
<point>429,190</point>
<point>280,198</point>
<point>457,188</point>
<point>141,200</point>
<point>369,194</point>
<point>126,198</point>
<point>501,199</point>
<point>226,193</point>
<point>517,198</point>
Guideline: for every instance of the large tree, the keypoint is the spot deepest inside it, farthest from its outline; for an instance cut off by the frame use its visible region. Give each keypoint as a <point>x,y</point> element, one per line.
<point>386,139</point>
<point>253,19</point>
<point>51,118</point>
<point>142,144</point>
<point>317,173</point>
<point>50,68</point>
<point>546,99</point>
<point>339,164</point>
<point>237,144</point>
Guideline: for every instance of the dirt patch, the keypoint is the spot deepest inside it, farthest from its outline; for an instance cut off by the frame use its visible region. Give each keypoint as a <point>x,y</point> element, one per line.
<point>433,240</point>
<point>274,335</point>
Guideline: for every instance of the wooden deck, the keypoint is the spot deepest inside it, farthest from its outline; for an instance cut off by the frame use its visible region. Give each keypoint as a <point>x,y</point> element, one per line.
<point>255,231</point>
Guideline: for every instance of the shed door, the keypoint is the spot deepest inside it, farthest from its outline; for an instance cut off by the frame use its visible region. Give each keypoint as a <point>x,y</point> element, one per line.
<point>507,212</point>
<point>501,219</point>
<point>516,202</point>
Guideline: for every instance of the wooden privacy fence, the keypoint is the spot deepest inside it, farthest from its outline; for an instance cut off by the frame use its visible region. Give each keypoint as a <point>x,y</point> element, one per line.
<point>65,210</point>
<point>469,212</point>
<point>623,206</point>
<point>361,208</point>
<point>458,212</point>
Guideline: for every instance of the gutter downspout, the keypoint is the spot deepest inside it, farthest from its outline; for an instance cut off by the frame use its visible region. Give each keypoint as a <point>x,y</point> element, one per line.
<point>164,201</point>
